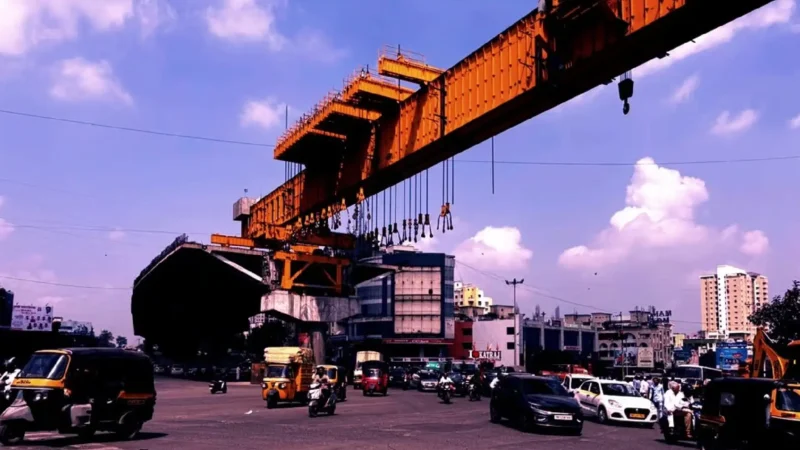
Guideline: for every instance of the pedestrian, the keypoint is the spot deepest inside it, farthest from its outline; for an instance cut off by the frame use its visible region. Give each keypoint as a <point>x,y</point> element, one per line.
<point>637,382</point>
<point>657,396</point>
<point>644,387</point>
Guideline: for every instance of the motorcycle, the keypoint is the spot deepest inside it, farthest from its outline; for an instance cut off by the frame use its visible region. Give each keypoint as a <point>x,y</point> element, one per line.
<point>321,399</point>
<point>218,386</point>
<point>446,392</point>
<point>474,392</point>
<point>678,432</point>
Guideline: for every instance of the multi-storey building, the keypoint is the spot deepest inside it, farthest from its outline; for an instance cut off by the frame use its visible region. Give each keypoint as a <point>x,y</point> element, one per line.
<point>728,298</point>
<point>471,296</point>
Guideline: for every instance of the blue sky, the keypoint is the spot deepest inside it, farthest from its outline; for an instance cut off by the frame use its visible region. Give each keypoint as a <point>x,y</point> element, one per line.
<point>226,68</point>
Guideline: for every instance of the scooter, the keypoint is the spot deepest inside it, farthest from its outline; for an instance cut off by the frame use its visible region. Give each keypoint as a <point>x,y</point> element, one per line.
<point>218,386</point>
<point>321,399</point>
<point>474,393</point>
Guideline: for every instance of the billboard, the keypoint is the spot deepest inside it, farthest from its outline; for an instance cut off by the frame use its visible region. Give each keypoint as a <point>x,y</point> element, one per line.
<point>76,328</point>
<point>645,357</point>
<point>32,318</point>
<point>730,355</point>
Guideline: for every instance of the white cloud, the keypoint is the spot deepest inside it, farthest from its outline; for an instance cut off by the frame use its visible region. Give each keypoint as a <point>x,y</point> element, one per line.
<point>659,216</point>
<point>728,124</point>
<point>754,243</point>
<point>154,14</point>
<point>795,122</point>
<point>77,79</point>
<point>265,113</point>
<point>494,248</point>
<point>5,227</point>
<point>685,90</point>
<point>778,12</point>
<point>317,46</point>
<point>246,21</point>
<point>27,24</point>
<point>116,234</point>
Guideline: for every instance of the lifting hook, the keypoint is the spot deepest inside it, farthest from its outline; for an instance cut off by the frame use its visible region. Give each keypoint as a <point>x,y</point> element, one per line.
<point>625,88</point>
<point>445,218</point>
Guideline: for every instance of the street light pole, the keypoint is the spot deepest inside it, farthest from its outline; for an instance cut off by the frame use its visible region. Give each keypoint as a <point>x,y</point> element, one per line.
<point>514,283</point>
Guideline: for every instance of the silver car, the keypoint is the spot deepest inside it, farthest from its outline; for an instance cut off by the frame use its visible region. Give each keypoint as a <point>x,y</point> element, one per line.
<point>428,383</point>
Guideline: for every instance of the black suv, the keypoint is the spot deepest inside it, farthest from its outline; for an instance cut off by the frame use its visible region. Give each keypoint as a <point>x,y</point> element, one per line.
<point>533,401</point>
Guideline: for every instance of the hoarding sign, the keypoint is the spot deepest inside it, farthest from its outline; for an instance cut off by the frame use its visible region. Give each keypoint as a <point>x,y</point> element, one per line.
<point>657,317</point>
<point>645,357</point>
<point>76,328</point>
<point>32,318</point>
<point>681,355</point>
<point>731,355</point>
<point>487,354</point>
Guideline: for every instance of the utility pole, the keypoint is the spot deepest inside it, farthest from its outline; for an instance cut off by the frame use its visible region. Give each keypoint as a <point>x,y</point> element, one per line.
<point>517,322</point>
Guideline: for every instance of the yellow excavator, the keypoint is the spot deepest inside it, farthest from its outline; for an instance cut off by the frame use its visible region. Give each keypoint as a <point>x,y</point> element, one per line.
<point>775,361</point>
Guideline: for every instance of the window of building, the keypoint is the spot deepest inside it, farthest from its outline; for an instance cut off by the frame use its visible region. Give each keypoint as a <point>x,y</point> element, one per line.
<point>466,345</point>
<point>466,331</point>
<point>509,346</point>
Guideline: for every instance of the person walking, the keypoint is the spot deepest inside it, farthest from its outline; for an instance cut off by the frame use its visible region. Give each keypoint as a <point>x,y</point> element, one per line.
<point>657,396</point>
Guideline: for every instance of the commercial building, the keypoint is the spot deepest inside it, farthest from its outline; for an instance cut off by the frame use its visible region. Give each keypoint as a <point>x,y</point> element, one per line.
<point>471,296</point>
<point>728,298</point>
<point>499,338</point>
<point>559,335</point>
<point>621,338</point>
<point>409,311</point>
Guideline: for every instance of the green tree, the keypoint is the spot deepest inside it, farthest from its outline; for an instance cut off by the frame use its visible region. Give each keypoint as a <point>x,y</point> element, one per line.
<point>105,339</point>
<point>122,341</point>
<point>781,317</point>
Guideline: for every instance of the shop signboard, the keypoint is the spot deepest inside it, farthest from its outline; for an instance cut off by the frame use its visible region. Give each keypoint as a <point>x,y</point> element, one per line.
<point>645,357</point>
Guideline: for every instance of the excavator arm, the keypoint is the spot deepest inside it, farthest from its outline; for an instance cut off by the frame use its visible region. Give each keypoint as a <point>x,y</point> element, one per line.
<point>770,362</point>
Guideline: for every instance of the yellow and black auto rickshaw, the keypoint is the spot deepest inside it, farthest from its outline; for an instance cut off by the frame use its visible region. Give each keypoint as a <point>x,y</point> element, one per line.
<point>749,413</point>
<point>80,391</point>
<point>338,378</point>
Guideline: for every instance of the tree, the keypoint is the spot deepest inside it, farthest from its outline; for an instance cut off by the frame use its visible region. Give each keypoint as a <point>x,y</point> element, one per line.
<point>122,341</point>
<point>105,339</point>
<point>781,317</point>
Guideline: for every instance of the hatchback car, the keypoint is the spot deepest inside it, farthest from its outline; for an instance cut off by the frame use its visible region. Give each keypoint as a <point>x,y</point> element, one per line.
<point>532,401</point>
<point>618,401</point>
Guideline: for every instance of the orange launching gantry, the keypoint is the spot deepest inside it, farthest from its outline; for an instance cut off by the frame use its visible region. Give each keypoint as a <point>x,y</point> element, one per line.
<point>376,132</point>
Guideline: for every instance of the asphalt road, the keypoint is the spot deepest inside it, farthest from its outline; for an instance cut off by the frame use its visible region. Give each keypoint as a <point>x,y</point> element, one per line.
<point>187,416</point>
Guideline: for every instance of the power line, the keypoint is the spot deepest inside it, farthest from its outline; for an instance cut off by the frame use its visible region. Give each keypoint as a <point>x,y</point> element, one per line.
<point>474,161</point>
<point>134,130</point>
<point>625,164</point>
<point>540,293</point>
<point>77,286</point>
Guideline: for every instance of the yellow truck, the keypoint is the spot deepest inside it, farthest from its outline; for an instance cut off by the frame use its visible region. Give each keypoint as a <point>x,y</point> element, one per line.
<point>287,375</point>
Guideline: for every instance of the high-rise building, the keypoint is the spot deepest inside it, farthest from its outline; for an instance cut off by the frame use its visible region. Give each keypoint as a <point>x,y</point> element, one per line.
<point>728,298</point>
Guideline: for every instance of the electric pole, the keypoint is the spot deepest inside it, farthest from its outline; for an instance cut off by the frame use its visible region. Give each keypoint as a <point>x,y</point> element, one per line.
<point>517,322</point>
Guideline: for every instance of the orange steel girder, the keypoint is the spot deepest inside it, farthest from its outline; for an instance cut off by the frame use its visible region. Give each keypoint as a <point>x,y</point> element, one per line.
<point>541,61</point>
<point>296,263</point>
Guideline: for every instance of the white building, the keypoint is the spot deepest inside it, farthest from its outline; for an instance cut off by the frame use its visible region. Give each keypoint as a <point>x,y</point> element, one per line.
<point>502,335</point>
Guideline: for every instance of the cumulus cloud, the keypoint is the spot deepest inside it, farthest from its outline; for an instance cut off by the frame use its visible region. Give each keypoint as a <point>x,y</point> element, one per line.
<point>246,21</point>
<point>255,21</point>
<point>494,248</point>
<point>116,235</point>
<point>5,227</point>
<point>659,216</point>
<point>27,24</point>
<point>778,12</point>
<point>685,90</point>
<point>266,113</point>
<point>794,123</point>
<point>754,243</point>
<point>727,123</point>
<point>78,79</point>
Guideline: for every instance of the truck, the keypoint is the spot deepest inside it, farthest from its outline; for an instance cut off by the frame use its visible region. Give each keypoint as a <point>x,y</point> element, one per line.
<point>361,357</point>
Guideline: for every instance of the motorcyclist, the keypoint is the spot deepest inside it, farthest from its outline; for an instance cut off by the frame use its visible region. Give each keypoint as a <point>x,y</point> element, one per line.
<point>675,404</point>
<point>321,378</point>
<point>495,382</point>
<point>12,370</point>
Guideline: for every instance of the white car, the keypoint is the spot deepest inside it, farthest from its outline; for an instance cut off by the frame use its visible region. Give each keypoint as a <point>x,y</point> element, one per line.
<point>617,401</point>
<point>573,381</point>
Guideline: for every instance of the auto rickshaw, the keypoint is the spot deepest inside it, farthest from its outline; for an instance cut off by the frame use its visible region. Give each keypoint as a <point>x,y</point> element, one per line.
<point>749,413</point>
<point>338,379</point>
<point>375,377</point>
<point>287,377</point>
<point>80,391</point>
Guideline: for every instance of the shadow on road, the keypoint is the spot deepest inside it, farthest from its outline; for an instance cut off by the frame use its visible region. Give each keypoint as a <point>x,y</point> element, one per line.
<point>103,438</point>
